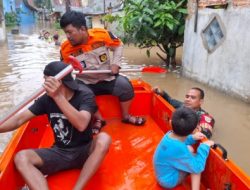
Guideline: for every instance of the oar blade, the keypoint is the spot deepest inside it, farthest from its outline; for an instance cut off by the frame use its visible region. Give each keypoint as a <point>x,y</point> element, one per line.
<point>154,69</point>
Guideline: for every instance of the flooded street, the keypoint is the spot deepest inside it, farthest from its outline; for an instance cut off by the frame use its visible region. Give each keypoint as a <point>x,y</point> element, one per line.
<point>24,56</point>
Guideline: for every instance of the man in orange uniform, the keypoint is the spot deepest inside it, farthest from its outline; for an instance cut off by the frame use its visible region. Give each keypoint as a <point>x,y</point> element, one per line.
<point>91,47</point>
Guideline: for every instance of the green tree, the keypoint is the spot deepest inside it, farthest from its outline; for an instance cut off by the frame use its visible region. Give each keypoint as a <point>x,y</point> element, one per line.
<point>150,23</point>
<point>11,19</point>
<point>43,4</point>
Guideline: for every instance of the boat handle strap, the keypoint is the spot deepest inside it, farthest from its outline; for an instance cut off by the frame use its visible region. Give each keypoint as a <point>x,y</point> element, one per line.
<point>224,152</point>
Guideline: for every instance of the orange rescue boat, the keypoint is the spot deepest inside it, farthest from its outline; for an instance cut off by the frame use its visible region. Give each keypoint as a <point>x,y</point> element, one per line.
<point>128,165</point>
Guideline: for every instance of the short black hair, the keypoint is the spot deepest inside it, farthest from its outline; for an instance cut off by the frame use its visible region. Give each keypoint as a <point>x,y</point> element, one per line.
<point>56,36</point>
<point>202,94</point>
<point>184,121</point>
<point>77,19</point>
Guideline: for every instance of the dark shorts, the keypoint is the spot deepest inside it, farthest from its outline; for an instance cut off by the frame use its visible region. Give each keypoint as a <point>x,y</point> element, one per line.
<point>56,159</point>
<point>182,177</point>
<point>120,87</point>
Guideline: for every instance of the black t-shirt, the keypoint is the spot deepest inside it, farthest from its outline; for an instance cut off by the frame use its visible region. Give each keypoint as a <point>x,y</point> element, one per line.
<point>66,136</point>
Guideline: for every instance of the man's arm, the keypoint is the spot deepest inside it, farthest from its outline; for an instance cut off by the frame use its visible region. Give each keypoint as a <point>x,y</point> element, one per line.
<point>117,59</point>
<point>115,45</point>
<point>79,119</point>
<point>191,163</point>
<point>16,121</point>
<point>175,103</point>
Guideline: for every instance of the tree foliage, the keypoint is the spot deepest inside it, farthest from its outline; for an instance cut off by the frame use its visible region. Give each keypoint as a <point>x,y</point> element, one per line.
<point>43,4</point>
<point>11,19</point>
<point>160,23</point>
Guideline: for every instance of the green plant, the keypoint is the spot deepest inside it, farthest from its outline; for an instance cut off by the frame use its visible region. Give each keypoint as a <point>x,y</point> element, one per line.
<point>150,23</point>
<point>110,18</point>
<point>56,25</point>
<point>11,19</point>
<point>43,4</point>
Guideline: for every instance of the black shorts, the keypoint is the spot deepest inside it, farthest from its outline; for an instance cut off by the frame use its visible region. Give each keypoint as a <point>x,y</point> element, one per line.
<point>120,87</point>
<point>56,159</point>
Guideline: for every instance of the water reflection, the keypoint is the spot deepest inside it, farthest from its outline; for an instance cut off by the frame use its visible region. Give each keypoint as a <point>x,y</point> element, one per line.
<point>22,63</point>
<point>22,60</point>
<point>24,56</point>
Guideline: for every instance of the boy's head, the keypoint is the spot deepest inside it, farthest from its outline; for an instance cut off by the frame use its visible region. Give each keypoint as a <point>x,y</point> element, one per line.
<point>55,67</point>
<point>184,121</point>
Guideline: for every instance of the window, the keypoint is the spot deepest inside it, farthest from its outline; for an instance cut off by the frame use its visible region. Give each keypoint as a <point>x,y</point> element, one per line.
<point>213,34</point>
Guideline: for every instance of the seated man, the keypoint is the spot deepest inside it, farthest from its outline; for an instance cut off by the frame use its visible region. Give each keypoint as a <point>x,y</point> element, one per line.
<point>174,158</point>
<point>69,111</point>
<point>92,47</point>
<point>193,99</point>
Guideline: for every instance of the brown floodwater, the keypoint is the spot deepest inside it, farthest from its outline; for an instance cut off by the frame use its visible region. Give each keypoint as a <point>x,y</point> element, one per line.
<point>24,56</point>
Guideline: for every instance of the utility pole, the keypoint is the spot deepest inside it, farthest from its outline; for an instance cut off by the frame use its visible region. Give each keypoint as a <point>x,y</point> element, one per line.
<point>67,4</point>
<point>104,7</point>
<point>110,8</point>
<point>104,13</point>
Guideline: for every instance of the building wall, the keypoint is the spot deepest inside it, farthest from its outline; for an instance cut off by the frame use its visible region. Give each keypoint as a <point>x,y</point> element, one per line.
<point>2,31</point>
<point>98,6</point>
<point>27,16</point>
<point>96,21</point>
<point>2,23</point>
<point>8,6</point>
<point>228,67</point>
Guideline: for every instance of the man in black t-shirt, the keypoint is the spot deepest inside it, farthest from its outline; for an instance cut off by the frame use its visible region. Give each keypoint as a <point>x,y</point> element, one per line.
<point>69,111</point>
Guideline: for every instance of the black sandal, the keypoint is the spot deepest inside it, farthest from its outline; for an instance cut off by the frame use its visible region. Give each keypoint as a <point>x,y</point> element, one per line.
<point>134,120</point>
<point>97,126</point>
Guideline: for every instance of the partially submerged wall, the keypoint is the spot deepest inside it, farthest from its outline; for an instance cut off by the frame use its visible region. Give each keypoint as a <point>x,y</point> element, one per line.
<point>2,30</point>
<point>227,66</point>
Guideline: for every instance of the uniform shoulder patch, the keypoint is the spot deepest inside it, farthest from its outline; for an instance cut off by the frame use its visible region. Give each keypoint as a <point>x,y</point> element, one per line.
<point>208,119</point>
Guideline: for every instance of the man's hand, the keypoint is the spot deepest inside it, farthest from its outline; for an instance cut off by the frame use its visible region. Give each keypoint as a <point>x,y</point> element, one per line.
<point>198,136</point>
<point>205,126</point>
<point>157,90</point>
<point>115,69</point>
<point>52,87</point>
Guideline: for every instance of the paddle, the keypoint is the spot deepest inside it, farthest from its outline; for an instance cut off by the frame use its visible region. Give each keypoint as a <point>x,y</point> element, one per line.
<point>75,64</point>
<point>149,69</point>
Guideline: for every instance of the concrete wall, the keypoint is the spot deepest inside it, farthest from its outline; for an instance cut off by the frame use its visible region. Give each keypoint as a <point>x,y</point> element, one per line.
<point>2,31</point>
<point>228,67</point>
<point>9,6</point>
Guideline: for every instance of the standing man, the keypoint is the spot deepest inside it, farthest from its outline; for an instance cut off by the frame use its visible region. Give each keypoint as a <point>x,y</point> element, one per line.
<point>91,47</point>
<point>193,99</point>
<point>69,111</point>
